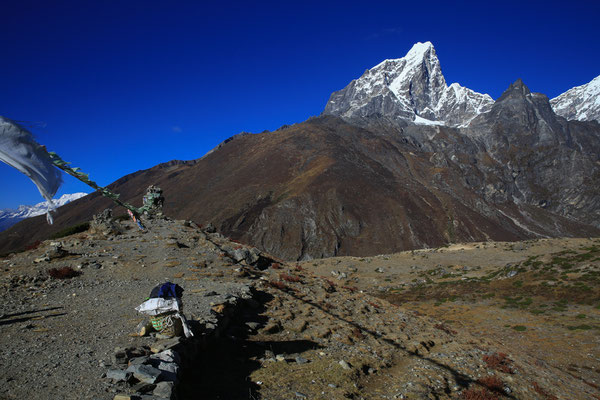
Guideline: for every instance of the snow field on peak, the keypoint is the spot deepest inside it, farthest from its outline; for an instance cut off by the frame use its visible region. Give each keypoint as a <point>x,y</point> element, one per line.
<point>580,103</point>
<point>424,121</point>
<point>24,211</point>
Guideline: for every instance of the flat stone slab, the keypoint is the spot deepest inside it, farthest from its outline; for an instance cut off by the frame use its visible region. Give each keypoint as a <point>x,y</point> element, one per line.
<point>145,373</point>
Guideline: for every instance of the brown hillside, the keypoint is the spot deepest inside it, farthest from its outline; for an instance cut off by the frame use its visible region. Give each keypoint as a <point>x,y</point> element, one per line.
<point>325,187</point>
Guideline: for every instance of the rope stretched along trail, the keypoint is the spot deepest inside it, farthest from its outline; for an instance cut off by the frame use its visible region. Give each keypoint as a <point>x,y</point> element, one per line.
<point>134,212</point>
<point>19,149</point>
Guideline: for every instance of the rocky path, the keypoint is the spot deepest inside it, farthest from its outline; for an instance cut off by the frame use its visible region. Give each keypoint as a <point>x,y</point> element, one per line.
<point>298,333</point>
<point>59,335</point>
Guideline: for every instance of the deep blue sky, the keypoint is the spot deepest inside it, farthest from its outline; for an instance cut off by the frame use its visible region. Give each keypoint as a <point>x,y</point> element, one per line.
<point>118,86</point>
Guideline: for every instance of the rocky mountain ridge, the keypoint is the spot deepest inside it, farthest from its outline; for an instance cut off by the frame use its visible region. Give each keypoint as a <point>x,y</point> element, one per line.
<point>581,102</point>
<point>547,161</point>
<point>327,187</point>
<point>9,217</point>
<point>410,88</point>
<point>381,180</point>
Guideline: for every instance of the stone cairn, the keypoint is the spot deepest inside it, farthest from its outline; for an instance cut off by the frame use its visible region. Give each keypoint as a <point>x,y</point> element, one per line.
<point>104,224</point>
<point>153,202</point>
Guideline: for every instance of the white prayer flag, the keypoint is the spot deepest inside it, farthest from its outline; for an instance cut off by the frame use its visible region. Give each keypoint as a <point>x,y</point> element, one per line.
<point>18,149</point>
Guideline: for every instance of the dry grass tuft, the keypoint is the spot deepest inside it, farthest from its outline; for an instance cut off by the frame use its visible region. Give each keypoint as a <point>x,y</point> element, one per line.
<point>172,264</point>
<point>539,390</point>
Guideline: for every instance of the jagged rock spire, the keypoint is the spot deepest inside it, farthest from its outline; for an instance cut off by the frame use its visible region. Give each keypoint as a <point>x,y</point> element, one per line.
<point>410,88</point>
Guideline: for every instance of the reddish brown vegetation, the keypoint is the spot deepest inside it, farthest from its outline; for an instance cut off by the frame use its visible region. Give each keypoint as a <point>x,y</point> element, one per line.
<point>329,286</point>
<point>358,334</point>
<point>492,382</point>
<point>350,288</point>
<point>33,245</point>
<point>278,285</point>
<point>373,304</point>
<point>542,392</point>
<point>63,273</point>
<point>329,282</point>
<point>499,362</point>
<point>276,265</point>
<point>299,268</point>
<point>479,394</point>
<point>591,384</point>
<point>444,328</point>
<point>289,278</point>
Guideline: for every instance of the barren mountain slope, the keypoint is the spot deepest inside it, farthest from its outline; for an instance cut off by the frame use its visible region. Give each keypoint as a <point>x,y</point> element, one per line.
<point>325,187</point>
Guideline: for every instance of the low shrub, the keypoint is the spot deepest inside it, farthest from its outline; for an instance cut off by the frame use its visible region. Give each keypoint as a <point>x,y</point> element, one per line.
<point>499,362</point>
<point>492,382</point>
<point>33,245</point>
<point>329,282</point>
<point>358,334</point>
<point>479,394</point>
<point>579,327</point>
<point>278,285</point>
<point>63,273</point>
<point>542,392</point>
<point>373,304</point>
<point>444,328</point>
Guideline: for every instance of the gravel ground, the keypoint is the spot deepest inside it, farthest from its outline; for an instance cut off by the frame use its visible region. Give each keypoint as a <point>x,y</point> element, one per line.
<point>58,335</point>
<point>306,334</point>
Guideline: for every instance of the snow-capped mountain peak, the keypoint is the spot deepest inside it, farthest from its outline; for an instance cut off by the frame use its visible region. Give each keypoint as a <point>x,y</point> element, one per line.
<point>581,102</point>
<point>409,87</point>
<point>415,54</point>
<point>9,217</point>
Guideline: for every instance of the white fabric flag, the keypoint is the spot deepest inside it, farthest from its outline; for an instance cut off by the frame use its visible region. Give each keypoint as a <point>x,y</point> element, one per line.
<point>158,305</point>
<point>18,149</point>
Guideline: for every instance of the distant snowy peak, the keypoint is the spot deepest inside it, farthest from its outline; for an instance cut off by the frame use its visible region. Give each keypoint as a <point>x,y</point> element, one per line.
<point>10,217</point>
<point>409,87</point>
<point>581,103</point>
